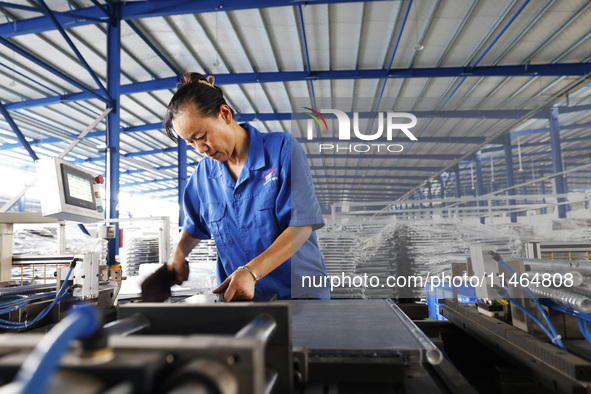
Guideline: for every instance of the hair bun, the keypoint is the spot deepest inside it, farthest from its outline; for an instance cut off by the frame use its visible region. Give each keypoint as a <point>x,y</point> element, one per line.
<point>194,77</point>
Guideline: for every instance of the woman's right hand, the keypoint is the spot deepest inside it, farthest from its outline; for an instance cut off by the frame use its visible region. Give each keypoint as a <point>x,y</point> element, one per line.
<point>180,269</point>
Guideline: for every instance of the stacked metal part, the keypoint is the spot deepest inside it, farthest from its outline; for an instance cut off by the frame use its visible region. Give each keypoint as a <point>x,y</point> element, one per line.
<point>353,252</point>
<point>432,247</point>
<point>140,250</point>
<point>337,249</point>
<point>377,259</point>
<point>206,251</point>
<point>405,250</point>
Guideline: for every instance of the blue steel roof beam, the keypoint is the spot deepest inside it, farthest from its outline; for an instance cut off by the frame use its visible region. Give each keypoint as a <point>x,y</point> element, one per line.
<point>534,144</point>
<point>309,70</point>
<point>428,25</point>
<point>137,87</point>
<point>105,11</point>
<point>150,152</point>
<point>18,132</point>
<point>385,81</point>
<point>382,168</point>
<point>146,9</point>
<point>53,70</point>
<point>397,184</point>
<point>313,168</point>
<point>35,9</point>
<point>469,68</point>
<point>72,46</point>
<point>509,47</point>
<point>560,69</point>
<point>28,78</point>
<point>450,43</point>
<point>365,190</point>
<point>403,177</point>
<point>148,182</point>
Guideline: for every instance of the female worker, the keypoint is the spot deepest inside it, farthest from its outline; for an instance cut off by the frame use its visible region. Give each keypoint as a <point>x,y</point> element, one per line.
<point>254,193</point>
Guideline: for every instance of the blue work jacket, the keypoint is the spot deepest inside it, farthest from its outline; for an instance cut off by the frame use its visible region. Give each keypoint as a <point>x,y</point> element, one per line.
<point>274,191</point>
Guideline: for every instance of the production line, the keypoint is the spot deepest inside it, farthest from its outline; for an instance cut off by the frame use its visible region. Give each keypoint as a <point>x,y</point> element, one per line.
<point>198,343</point>
<point>72,332</point>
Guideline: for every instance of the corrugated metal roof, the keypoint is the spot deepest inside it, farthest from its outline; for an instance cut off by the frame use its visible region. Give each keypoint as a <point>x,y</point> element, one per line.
<point>487,69</point>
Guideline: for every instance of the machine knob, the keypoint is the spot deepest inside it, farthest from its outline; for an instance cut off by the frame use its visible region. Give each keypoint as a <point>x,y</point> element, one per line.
<point>99,179</point>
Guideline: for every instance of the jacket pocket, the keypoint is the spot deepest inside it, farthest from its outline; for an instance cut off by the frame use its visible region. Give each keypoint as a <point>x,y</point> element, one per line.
<point>264,207</point>
<point>216,219</point>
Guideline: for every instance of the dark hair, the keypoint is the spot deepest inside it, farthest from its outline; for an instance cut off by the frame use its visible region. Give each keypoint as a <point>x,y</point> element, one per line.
<point>194,88</point>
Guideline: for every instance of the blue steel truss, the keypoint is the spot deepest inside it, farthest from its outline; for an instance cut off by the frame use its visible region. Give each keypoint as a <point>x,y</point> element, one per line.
<point>113,13</point>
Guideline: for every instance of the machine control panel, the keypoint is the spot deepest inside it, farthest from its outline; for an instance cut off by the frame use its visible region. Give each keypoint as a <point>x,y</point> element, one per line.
<point>68,191</point>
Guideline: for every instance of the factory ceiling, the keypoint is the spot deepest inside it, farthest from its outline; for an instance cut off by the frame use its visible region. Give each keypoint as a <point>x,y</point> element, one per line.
<point>474,74</point>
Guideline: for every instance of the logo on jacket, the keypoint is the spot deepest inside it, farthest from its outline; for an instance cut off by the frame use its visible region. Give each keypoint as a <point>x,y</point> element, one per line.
<point>270,176</point>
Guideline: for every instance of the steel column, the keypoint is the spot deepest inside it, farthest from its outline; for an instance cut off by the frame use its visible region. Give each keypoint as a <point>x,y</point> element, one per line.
<point>556,158</point>
<point>543,191</point>
<point>113,123</point>
<point>458,191</point>
<point>182,178</point>
<point>509,175</point>
<point>479,182</point>
<point>22,203</point>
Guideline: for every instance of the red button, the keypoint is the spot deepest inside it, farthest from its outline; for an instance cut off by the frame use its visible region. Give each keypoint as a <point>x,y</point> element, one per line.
<point>99,179</point>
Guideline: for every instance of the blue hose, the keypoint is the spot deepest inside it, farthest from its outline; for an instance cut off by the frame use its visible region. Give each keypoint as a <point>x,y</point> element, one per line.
<point>531,316</point>
<point>584,328</point>
<point>4,324</point>
<point>554,337</point>
<point>583,318</point>
<point>34,375</point>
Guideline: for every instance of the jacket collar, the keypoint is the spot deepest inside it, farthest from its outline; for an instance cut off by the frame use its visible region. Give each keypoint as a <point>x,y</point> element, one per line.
<point>255,159</point>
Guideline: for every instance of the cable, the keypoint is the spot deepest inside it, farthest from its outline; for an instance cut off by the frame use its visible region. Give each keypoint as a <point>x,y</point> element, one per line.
<point>554,337</point>
<point>9,325</point>
<point>19,303</point>
<point>584,328</point>
<point>583,318</point>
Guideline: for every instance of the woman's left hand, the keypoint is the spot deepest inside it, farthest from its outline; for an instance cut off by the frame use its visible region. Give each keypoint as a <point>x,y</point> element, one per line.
<point>238,286</point>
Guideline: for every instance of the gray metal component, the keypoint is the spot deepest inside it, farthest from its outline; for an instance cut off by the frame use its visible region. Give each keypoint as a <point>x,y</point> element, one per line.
<point>359,327</point>
<point>231,365</point>
<point>552,367</point>
<point>127,326</point>
<point>205,376</point>
<point>224,320</point>
<point>563,297</point>
<point>431,353</point>
<point>484,265</point>
<point>561,265</point>
<point>6,234</point>
<point>7,220</point>
<point>260,328</point>
<point>86,276</point>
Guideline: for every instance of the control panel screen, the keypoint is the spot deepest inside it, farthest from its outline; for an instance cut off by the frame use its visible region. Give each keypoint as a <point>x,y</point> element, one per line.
<point>78,189</point>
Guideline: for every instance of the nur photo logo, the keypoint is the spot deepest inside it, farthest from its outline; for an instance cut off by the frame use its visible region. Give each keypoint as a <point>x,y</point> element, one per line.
<point>389,123</point>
